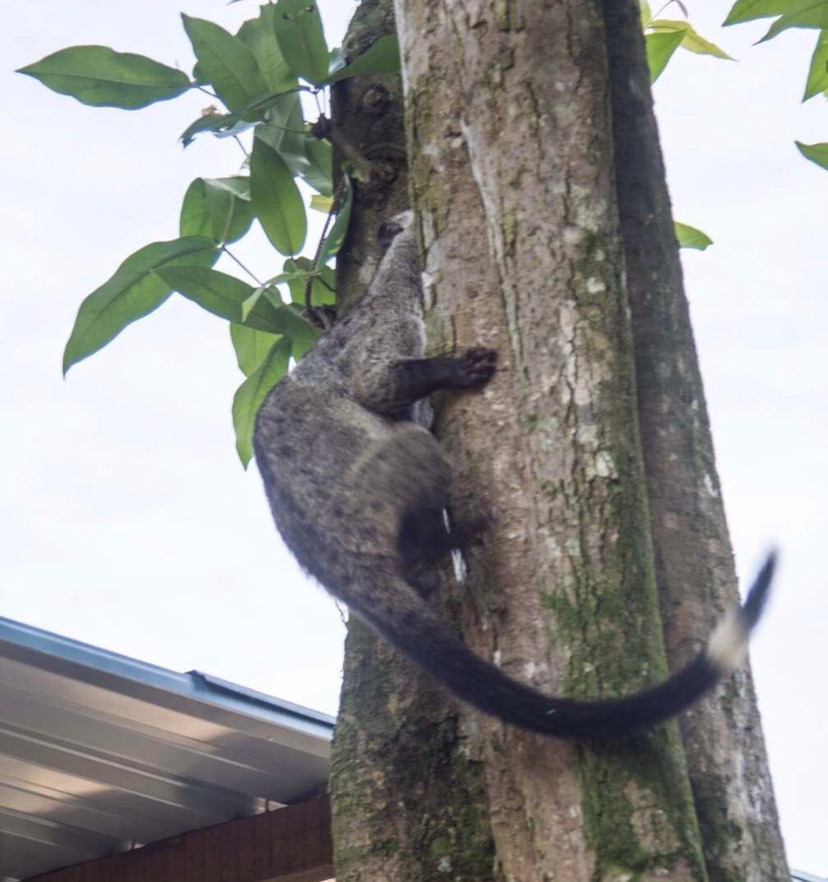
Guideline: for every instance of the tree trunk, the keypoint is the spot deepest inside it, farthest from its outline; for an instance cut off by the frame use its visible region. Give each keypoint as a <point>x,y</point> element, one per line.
<point>407,796</point>
<point>509,125</point>
<point>694,560</point>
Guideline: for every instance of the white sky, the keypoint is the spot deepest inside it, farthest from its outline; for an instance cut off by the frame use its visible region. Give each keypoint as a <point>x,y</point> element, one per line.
<point>126,520</point>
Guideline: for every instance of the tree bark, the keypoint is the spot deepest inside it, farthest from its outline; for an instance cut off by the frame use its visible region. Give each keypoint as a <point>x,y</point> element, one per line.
<point>509,141</point>
<point>407,796</point>
<point>726,755</point>
<point>509,127</point>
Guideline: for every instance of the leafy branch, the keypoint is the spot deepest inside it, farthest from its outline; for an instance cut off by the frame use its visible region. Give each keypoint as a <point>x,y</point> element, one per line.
<point>808,14</point>
<point>258,75</point>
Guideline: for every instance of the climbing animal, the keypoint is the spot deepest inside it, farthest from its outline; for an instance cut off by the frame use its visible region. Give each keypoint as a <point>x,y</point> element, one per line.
<point>358,487</point>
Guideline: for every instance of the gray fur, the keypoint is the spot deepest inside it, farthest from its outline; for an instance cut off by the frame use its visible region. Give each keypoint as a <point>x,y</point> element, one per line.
<point>339,458</point>
<point>357,486</point>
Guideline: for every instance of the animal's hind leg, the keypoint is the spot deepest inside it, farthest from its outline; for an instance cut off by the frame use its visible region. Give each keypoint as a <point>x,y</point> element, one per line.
<point>425,537</point>
<point>405,472</point>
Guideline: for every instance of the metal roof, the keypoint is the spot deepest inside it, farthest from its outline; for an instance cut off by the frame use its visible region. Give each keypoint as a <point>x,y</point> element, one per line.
<point>99,751</point>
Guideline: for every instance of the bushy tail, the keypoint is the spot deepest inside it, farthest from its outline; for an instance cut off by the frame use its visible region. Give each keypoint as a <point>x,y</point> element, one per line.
<point>420,634</point>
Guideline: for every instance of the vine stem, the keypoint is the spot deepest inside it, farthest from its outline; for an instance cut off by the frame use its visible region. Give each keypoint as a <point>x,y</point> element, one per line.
<point>317,316</point>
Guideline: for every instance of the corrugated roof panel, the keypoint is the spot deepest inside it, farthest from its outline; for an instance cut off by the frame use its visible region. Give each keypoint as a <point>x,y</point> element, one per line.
<point>98,751</point>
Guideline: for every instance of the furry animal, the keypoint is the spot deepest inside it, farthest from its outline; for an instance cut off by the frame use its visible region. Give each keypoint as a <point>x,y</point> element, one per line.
<point>358,485</point>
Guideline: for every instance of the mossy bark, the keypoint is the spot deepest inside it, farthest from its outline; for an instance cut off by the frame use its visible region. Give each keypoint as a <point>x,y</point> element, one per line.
<point>407,795</point>
<point>368,113</point>
<point>694,560</point>
<point>509,114</point>
<point>511,171</point>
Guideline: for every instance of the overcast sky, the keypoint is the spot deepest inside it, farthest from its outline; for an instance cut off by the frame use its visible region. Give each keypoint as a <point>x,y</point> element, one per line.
<point>126,520</point>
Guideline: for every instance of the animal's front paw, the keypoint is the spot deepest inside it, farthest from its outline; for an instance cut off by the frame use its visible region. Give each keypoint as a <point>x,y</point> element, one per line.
<point>476,367</point>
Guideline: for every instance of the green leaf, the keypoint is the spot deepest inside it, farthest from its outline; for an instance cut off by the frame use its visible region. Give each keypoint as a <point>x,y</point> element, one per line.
<point>297,270</point>
<point>646,13</point>
<point>258,312</point>
<point>382,57</point>
<point>818,71</point>
<point>216,292</point>
<point>226,62</point>
<point>265,311</point>
<point>660,49</point>
<point>258,108</point>
<point>323,289</point>
<point>817,153</point>
<point>292,150</point>
<point>336,60</point>
<point>302,39</point>
<point>224,125</point>
<point>690,237</point>
<point>692,41</point>
<point>748,10</point>
<point>302,334</point>
<point>133,292</point>
<point>217,207</point>
<point>101,77</point>
<point>237,185</point>
<point>309,158</point>
<point>300,346</point>
<point>194,218</point>
<point>208,122</point>
<point>259,34</point>
<point>322,203</point>
<point>276,199</point>
<point>800,14</point>
<point>251,346</point>
<point>320,173</point>
<point>292,324</point>
<point>283,128</point>
<point>294,134</point>
<point>251,394</point>
<point>335,238</point>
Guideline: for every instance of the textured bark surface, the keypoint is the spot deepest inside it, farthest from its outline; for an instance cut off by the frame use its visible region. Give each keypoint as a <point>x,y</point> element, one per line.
<point>406,784</point>
<point>511,172</point>
<point>509,125</point>
<point>369,114</point>
<point>694,560</point>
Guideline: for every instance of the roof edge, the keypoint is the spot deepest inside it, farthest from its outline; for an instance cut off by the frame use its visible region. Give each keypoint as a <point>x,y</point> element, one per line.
<point>130,676</point>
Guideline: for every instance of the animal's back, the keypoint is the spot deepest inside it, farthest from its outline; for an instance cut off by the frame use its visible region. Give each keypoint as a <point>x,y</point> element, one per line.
<point>358,492</point>
<point>306,438</point>
<point>339,478</point>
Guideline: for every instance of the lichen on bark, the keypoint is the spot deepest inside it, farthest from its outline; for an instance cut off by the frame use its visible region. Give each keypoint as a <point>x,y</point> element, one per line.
<point>406,779</point>
<point>726,757</point>
<point>512,166</point>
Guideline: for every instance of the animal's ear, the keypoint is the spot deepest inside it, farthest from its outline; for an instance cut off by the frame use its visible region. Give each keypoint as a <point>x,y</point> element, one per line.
<point>388,229</point>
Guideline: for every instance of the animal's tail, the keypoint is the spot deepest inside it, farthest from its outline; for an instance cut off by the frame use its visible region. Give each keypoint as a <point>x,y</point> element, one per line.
<point>420,634</point>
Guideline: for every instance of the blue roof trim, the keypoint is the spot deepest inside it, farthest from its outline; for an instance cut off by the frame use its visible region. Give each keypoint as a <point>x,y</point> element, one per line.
<point>225,687</point>
<point>101,667</point>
